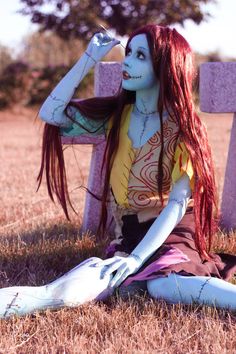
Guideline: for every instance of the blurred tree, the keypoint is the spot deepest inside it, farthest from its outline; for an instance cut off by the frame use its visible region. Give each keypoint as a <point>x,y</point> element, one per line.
<point>5,57</point>
<point>43,49</point>
<point>81,18</point>
<point>15,82</point>
<point>214,56</point>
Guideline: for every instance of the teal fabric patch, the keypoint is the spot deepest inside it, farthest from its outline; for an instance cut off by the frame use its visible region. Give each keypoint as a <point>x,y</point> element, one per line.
<point>88,126</point>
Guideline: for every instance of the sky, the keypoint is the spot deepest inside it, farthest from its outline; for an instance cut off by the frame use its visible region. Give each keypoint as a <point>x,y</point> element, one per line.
<point>217,34</point>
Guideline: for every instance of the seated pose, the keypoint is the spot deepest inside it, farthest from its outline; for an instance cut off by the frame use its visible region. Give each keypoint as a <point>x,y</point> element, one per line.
<point>159,181</point>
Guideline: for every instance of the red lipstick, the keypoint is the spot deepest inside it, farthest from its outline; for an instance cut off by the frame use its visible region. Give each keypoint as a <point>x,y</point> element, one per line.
<point>126,76</point>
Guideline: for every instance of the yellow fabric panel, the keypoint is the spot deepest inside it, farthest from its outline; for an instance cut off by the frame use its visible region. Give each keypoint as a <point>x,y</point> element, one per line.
<point>123,160</point>
<point>182,164</point>
<point>125,156</point>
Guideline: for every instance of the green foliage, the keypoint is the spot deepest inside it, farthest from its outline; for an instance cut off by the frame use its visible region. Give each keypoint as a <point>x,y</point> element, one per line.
<point>71,19</point>
<point>13,83</point>
<point>45,80</point>
<point>19,83</point>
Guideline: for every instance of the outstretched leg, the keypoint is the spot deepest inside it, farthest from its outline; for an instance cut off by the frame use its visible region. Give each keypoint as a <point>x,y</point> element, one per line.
<point>81,284</point>
<point>189,289</point>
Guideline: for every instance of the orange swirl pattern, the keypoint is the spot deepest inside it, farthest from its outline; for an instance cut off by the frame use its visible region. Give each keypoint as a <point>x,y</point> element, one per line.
<point>142,187</point>
<point>155,140</point>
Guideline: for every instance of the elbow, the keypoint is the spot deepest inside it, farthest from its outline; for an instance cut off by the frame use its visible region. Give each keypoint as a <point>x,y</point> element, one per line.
<point>180,195</point>
<point>180,198</point>
<point>180,202</point>
<point>53,116</point>
<point>179,205</point>
<point>181,189</point>
<point>44,114</point>
<point>48,116</point>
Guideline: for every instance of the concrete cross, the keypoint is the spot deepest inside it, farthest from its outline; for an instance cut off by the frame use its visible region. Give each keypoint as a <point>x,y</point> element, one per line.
<point>106,83</point>
<point>218,95</point>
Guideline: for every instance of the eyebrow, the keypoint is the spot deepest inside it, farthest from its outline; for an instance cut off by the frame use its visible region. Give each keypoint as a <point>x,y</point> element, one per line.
<point>129,46</point>
<point>143,48</point>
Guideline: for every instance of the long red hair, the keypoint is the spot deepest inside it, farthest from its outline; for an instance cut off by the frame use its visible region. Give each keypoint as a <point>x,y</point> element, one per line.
<point>173,67</point>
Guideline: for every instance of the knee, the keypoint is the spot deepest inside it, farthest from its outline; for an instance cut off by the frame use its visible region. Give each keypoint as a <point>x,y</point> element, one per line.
<point>156,288</point>
<point>162,288</point>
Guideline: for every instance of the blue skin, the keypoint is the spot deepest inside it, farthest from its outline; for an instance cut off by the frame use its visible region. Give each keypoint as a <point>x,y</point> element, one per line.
<point>138,64</point>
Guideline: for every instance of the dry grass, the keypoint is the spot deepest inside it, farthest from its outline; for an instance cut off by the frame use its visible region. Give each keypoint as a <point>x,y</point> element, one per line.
<point>37,244</point>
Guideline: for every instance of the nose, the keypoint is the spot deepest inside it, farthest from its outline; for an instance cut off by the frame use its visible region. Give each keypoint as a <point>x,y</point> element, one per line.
<point>126,62</point>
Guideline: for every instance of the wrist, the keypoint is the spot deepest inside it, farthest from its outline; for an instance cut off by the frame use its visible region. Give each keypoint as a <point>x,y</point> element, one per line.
<point>90,57</point>
<point>137,257</point>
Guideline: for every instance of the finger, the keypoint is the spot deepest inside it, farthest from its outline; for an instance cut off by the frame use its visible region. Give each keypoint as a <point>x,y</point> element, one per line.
<point>103,272</point>
<point>116,41</point>
<point>118,276</point>
<point>97,39</point>
<point>110,269</point>
<point>107,261</point>
<point>114,283</point>
<point>107,37</point>
<point>113,42</point>
<point>101,263</point>
<point>122,279</point>
<point>99,35</point>
<point>96,33</point>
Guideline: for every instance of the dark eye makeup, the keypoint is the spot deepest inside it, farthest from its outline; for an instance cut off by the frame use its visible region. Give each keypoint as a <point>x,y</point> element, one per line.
<point>140,54</point>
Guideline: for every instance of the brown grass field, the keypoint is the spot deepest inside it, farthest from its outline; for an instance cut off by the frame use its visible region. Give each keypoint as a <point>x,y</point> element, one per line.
<point>38,244</point>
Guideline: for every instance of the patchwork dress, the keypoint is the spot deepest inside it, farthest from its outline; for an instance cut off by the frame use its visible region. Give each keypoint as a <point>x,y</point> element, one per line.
<point>135,203</point>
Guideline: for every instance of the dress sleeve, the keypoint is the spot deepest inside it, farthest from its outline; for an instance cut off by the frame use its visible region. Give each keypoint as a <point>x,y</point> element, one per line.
<point>87,126</point>
<point>182,164</point>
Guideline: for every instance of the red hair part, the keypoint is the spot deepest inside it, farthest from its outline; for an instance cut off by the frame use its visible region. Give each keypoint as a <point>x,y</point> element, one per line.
<point>173,67</point>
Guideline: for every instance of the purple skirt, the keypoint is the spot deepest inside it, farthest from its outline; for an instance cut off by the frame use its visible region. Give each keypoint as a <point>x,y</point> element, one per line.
<point>177,254</point>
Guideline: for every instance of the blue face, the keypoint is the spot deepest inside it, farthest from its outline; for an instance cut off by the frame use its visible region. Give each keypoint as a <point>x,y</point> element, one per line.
<point>137,68</point>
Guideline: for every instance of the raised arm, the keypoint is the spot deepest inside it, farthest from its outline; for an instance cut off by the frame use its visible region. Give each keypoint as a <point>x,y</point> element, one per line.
<point>53,108</point>
<point>170,216</point>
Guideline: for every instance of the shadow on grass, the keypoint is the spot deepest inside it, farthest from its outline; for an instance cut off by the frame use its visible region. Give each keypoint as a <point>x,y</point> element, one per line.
<point>143,304</point>
<point>39,256</point>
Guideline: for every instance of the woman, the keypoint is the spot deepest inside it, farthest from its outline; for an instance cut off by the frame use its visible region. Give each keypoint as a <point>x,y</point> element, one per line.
<point>159,170</point>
